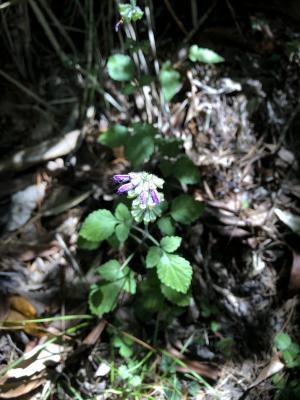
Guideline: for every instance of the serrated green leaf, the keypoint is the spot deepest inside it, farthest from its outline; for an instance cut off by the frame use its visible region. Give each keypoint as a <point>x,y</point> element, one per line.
<point>180,299</point>
<point>170,243</point>
<point>103,298</point>
<point>204,55</point>
<point>165,225</point>
<point>130,12</point>
<point>122,232</point>
<point>123,278</point>
<point>139,149</point>
<point>185,209</point>
<point>171,83</point>
<point>110,270</point>
<point>120,67</point>
<point>186,171</point>
<point>115,136</point>
<point>122,213</point>
<point>153,256</point>
<point>98,226</point>
<point>84,244</point>
<point>282,341</point>
<point>175,272</point>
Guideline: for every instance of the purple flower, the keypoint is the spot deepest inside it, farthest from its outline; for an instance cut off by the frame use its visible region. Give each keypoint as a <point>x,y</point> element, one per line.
<point>121,178</point>
<point>144,197</point>
<point>125,188</point>
<point>155,196</point>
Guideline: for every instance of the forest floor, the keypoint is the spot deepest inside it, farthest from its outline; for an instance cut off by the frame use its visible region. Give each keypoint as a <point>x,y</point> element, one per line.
<point>239,123</point>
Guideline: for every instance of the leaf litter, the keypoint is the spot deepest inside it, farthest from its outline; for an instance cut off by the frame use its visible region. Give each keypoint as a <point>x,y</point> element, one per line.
<point>245,258</point>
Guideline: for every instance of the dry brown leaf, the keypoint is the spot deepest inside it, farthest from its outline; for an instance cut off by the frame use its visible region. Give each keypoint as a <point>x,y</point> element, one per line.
<point>202,368</point>
<point>294,283</point>
<point>15,389</point>
<point>272,368</point>
<point>23,306</point>
<point>34,362</point>
<point>94,335</point>
<point>21,309</point>
<point>12,321</point>
<point>31,371</point>
<point>47,150</point>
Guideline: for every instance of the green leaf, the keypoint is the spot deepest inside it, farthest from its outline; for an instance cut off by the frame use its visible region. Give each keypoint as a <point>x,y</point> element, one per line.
<point>129,89</point>
<point>186,171</point>
<point>135,380</point>
<point>170,82</point>
<point>124,345</point>
<point>98,226</point>
<point>124,372</point>
<point>95,299</point>
<point>122,213</point>
<point>180,299</point>
<point>115,136</point>
<point>165,226</point>
<point>139,149</point>
<point>170,243</point>
<point>146,80</point>
<point>152,299</point>
<point>294,349</point>
<point>84,244</point>
<point>120,67</point>
<point>204,55</point>
<point>170,147</point>
<point>175,272</point>
<point>123,278</point>
<point>144,129</point>
<point>185,209</point>
<point>282,341</point>
<point>103,298</point>
<point>290,360</point>
<point>166,167</point>
<point>226,346</point>
<point>153,256</point>
<point>130,12</point>
<point>135,45</point>
<point>122,232</point>
<point>215,326</point>
<point>113,241</point>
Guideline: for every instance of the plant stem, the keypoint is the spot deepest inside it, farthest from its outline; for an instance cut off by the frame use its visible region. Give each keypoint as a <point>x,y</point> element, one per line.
<point>147,234</point>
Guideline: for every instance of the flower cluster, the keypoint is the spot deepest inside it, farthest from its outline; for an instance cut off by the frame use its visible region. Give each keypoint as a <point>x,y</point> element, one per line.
<point>143,188</point>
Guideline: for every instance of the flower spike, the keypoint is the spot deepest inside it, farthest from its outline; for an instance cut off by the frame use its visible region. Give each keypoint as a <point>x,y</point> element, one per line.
<point>143,188</point>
